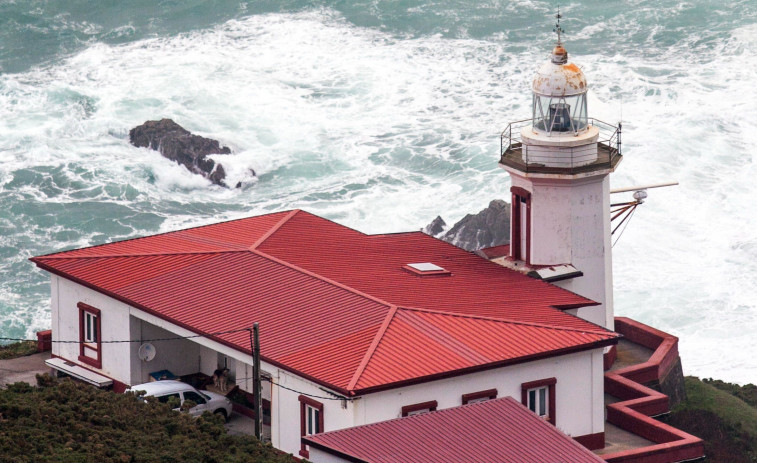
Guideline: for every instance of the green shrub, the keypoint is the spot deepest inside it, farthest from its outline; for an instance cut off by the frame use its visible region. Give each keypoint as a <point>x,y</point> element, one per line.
<point>67,421</point>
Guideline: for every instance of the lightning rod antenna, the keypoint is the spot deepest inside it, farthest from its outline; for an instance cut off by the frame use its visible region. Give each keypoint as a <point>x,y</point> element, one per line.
<point>558,28</point>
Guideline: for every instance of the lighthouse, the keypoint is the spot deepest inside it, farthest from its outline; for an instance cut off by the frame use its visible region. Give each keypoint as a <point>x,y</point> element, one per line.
<point>560,161</point>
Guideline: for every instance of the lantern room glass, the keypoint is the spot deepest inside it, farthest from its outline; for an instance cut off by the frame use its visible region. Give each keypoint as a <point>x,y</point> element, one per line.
<point>560,113</point>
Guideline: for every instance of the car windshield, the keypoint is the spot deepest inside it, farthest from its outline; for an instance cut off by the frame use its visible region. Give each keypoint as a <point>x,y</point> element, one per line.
<point>204,395</point>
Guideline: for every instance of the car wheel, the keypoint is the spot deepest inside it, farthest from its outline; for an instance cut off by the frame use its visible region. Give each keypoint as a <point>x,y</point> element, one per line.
<point>222,412</point>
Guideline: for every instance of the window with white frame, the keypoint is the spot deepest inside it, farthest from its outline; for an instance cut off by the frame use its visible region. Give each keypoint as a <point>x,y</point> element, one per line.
<point>538,400</point>
<point>417,409</point>
<point>539,397</point>
<point>480,396</point>
<point>90,327</point>
<point>311,420</point>
<point>90,334</point>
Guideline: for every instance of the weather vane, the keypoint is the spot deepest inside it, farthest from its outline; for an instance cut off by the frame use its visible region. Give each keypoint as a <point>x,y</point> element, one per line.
<point>557,28</point>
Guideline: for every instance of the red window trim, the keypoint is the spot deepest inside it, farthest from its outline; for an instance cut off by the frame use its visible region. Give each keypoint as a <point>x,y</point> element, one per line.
<point>94,359</point>
<point>430,405</point>
<point>550,383</point>
<point>304,400</point>
<point>516,252</point>
<point>489,394</point>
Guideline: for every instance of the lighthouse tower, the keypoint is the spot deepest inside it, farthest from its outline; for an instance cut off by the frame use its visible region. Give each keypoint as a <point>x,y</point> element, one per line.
<point>560,161</point>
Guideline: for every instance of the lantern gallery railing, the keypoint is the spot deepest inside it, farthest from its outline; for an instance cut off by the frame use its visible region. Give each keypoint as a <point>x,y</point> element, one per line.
<point>571,159</point>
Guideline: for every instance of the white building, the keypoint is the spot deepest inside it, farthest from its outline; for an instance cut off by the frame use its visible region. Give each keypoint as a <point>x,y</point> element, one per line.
<point>385,325</point>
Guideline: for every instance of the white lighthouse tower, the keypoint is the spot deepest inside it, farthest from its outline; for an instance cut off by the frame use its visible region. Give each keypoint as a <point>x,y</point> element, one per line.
<point>560,161</point>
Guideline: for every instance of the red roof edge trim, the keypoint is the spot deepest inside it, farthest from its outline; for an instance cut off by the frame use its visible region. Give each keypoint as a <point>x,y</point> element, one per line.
<point>151,236</point>
<point>600,329</point>
<point>273,229</point>
<point>330,450</point>
<point>320,277</point>
<point>372,348</point>
<point>488,366</point>
<point>146,254</point>
<point>229,344</point>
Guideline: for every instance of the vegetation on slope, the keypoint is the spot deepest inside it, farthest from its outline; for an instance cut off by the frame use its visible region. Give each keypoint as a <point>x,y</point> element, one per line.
<point>723,415</point>
<point>17,349</point>
<point>67,421</point>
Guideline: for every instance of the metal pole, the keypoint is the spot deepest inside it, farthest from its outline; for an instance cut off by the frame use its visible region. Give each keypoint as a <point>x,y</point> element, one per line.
<point>257,402</point>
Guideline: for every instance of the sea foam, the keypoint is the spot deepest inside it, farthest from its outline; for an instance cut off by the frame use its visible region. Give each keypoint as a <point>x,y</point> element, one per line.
<point>382,131</point>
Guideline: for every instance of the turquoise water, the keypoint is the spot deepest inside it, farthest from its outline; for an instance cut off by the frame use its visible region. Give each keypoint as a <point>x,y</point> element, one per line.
<point>382,115</point>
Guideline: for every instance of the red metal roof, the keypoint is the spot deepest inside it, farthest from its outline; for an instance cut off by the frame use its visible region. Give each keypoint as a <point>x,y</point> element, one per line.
<point>500,430</point>
<point>495,251</point>
<point>327,298</point>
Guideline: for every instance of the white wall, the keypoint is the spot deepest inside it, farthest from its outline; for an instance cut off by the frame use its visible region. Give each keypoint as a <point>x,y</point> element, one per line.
<point>337,414</point>
<point>570,223</point>
<point>579,396</point>
<point>318,456</point>
<point>579,388</point>
<point>114,323</point>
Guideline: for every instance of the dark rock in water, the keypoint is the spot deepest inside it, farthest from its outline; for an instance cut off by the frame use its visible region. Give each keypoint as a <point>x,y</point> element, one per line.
<point>490,227</point>
<point>436,227</point>
<point>178,144</point>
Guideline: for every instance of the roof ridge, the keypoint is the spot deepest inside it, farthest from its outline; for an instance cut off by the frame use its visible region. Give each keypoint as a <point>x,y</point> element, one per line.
<point>320,277</point>
<point>157,234</point>
<point>372,348</point>
<point>273,229</point>
<point>511,321</point>
<point>146,254</point>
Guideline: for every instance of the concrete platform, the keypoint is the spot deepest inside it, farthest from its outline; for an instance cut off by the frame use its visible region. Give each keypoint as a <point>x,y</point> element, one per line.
<point>630,353</point>
<point>23,369</point>
<point>617,440</point>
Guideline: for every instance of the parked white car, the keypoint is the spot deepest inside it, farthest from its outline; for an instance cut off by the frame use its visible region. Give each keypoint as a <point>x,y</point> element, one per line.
<point>205,400</point>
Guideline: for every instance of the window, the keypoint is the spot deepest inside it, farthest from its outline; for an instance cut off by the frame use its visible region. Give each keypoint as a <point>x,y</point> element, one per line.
<point>520,224</point>
<point>90,327</point>
<point>311,420</point>
<point>90,341</point>
<point>165,398</point>
<point>539,397</point>
<point>194,397</point>
<point>537,400</point>
<point>481,396</point>
<point>417,409</point>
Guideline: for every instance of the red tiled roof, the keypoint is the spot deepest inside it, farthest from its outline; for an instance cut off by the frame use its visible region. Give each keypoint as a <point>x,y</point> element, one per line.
<point>500,430</point>
<point>326,298</point>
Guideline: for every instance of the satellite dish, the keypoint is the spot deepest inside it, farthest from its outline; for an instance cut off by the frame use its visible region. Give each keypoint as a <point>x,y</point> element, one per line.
<point>146,352</point>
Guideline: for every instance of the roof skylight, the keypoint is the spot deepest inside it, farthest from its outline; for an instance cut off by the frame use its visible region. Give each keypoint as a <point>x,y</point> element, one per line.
<point>426,268</point>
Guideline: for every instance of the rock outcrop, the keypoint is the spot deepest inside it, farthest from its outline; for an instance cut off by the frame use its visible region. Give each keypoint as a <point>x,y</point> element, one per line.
<point>490,227</point>
<point>178,144</point>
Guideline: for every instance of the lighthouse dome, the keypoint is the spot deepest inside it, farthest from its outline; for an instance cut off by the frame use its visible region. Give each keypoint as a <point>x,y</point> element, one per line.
<point>558,78</point>
<point>559,96</point>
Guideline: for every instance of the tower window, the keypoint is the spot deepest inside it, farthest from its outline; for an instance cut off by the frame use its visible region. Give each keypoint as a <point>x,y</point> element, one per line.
<point>520,224</point>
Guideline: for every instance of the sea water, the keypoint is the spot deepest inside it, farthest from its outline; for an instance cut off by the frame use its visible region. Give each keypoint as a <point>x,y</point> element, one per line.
<point>382,115</point>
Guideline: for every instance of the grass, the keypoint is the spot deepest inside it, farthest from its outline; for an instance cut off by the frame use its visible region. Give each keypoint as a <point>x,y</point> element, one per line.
<point>726,423</point>
<point>18,349</point>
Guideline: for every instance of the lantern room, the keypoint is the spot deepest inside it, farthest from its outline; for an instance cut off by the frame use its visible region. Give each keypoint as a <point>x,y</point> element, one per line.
<point>559,97</point>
